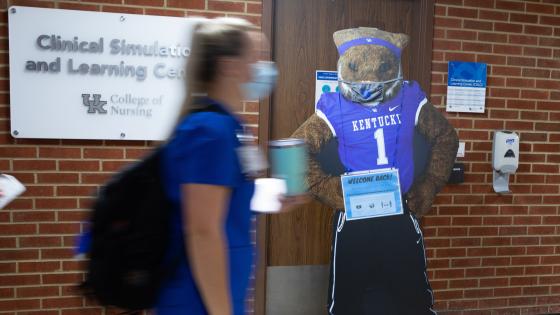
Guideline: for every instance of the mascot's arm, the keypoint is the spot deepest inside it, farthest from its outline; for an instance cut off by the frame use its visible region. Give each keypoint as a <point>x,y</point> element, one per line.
<point>326,188</point>
<point>444,140</point>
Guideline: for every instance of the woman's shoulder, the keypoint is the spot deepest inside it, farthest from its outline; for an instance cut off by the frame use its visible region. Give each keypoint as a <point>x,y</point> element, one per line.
<point>209,123</point>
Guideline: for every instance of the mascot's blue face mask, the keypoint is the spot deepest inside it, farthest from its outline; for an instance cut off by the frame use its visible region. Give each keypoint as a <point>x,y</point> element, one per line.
<point>368,91</point>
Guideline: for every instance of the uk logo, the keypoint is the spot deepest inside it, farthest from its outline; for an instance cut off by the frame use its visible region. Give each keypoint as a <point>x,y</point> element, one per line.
<point>95,104</point>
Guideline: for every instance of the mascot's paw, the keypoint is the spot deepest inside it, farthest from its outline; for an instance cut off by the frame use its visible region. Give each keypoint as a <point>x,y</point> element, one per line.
<point>420,198</point>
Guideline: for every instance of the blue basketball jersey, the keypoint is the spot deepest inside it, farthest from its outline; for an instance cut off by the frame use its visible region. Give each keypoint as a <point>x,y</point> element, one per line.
<point>376,137</point>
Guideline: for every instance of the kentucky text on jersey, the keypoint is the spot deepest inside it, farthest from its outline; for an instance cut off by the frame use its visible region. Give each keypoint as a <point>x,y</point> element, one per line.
<point>376,122</point>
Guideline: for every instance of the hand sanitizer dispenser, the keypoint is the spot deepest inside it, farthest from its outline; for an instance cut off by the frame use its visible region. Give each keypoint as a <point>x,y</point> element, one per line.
<point>505,159</point>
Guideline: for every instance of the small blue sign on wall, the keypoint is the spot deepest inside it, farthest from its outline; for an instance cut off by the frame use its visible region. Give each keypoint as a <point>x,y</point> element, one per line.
<point>466,87</point>
<point>325,82</point>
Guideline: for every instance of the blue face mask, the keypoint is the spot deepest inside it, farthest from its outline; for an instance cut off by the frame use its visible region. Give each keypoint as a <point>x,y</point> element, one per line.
<point>263,79</point>
<point>367,91</point>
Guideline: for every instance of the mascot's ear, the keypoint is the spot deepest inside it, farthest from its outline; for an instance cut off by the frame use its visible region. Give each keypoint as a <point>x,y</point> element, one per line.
<point>342,36</point>
<point>399,40</point>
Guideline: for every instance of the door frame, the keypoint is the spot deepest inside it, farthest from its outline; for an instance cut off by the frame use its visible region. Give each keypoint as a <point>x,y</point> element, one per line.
<point>263,136</point>
<point>424,18</point>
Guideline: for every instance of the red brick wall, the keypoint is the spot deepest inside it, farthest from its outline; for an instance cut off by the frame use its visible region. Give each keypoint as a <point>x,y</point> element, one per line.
<point>490,252</point>
<point>37,271</point>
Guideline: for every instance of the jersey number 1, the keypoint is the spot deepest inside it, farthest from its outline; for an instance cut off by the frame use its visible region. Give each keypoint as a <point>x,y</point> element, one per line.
<point>381,154</point>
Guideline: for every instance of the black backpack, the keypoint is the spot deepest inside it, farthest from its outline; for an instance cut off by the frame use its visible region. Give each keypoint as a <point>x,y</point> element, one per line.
<point>130,236</point>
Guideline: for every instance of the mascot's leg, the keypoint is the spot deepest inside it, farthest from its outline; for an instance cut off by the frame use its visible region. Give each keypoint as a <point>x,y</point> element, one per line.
<point>378,266</point>
<point>403,276</point>
<point>338,224</point>
<point>352,265</point>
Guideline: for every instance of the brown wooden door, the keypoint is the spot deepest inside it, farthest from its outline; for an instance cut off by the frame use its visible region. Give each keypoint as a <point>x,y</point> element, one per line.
<point>302,43</point>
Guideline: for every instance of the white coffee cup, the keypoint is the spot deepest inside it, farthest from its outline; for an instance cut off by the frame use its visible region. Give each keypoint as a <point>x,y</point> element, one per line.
<point>268,192</point>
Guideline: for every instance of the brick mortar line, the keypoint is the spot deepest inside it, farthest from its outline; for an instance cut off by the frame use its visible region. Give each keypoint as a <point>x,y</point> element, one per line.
<point>43,273</point>
<point>489,277</point>
<point>132,6</point>
<point>506,65</point>
<point>186,11</point>
<point>498,10</point>
<point>486,237</point>
<point>223,12</point>
<point>507,120</point>
<point>501,76</point>
<point>64,159</point>
<point>509,264</point>
<point>39,260</point>
<point>508,21</point>
<point>512,236</point>
<point>494,9</point>
<point>492,308</point>
<point>494,297</point>
<point>44,235</point>
<point>500,287</point>
<point>68,146</point>
<point>530,173</point>
<point>480,54</point>
<point>533,204</point>
<point>474,41</point>
<point>494,31</point>
<point>516,98</point>
<point>491,32</point>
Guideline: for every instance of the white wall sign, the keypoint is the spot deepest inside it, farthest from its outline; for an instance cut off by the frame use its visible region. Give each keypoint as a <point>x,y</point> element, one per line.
<point>92,75</point>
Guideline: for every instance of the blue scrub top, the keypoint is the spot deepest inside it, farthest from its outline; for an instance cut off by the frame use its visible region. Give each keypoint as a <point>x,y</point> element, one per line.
<point>203,151</point>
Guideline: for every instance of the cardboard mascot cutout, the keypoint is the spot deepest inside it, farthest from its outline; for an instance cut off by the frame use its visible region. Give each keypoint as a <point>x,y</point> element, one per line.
<point>378,264</point>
